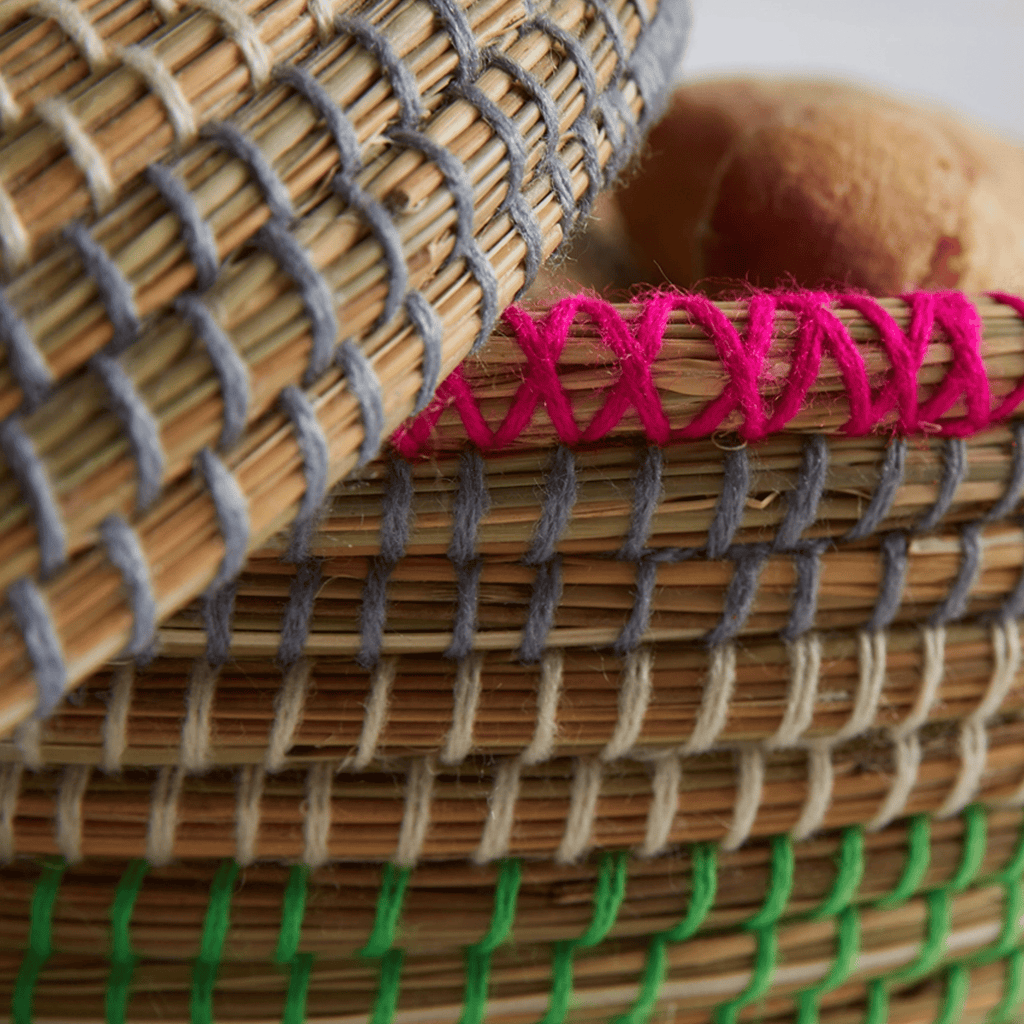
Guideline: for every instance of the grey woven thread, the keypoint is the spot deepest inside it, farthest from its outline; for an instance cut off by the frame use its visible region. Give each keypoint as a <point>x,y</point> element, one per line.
<point>126,555</point>
<point>338,122</point>
<point>34,481</point>
<point>1013,607</point>
<point>388,238</point>
<point>805,593</point>
<point>893,550</point>
<point>544,598</point>
<point>232,516</point>
<point>559,501</point>
<point>138,423</point>
<point>522,213</point>
<point>739,594</point>
<point>460,32</point>
<point>623,135</point>
<point>399,76</point>
<point>196,233</point>
<point>640,614</point>
<point>802,503</point>
<point>298,612</point>
<point>731,502</point>
<point>429,327</point>
<point>553,165</point>
<point>293,259</point>
<point>361,379</point>
<point>115,292</point>
<point>218,611</point>
<point>466,246</point>
<point>395,522</point>
<point>585,132</point>
<point>646,496</point>
<point>890,476</point>
<point>315,460</point>
<point>615,34</point>
<point>231,369</point>
<point>656,57</point>
<point>44,650</point>
<point>275,194</point>
<point>28,365</point>
<point>954,469</point>
<point>955,603</point>
<point>472,502</point>
<point>1008,500</point>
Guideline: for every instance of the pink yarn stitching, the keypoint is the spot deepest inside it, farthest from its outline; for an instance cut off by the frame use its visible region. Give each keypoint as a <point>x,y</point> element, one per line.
<point>818,331</point>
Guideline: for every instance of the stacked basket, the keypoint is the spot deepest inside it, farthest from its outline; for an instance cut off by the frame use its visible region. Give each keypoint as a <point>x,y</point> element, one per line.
<point>665,667</point>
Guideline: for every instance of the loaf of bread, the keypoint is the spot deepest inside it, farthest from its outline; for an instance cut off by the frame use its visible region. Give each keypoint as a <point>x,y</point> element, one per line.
<point>783,181</point>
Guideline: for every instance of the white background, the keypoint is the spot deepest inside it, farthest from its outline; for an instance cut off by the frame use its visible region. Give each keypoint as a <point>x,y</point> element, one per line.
<point>966,54</point>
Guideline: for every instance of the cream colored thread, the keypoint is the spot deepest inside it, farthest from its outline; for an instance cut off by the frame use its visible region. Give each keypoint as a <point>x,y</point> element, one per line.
<point>872,664</point>
<point>242,31</point>
<point>198,725</point>
<point>501,809</point>
<point>634,698</point>
<point>247,812</point>
<point>549,692</point>
<point>748,797</point>
<point>77,27</point>
<point>323,12</point>
<point>419,789</point>
<point>163,84</point>
<point>115,723</point>
<point>805,674</point>
<point>289,706</point>
<point>28,738</point>
<point>316,825</point>
<point>73,784</point>
<point>10,110</point>
<point>714,708</point>
<point>81,148</point>
<point>820,779</point>
<point>381,680</point>
<point>163,815</point>
<point>934,638</point>
<point>907,751</point>
<point>579,822</point>
<point>10,787</point>
<point>466,699</point>
<point>14,237</point>
<point>1006,651</point>
<point>664,804</point>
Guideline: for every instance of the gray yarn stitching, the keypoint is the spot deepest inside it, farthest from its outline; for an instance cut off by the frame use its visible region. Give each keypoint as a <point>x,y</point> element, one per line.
<point>954,469</point>
<point>890,477</point>
<point>218,610</point>
<point>275,194</point>
<point>293,259</point>
<point>460,32</point>
<point>955,603</point>
<point>315,458</point>
<point>126,555</point>
<point>472,502</point>
<point>656,57</point>
<point>232,516</point>
<point>646,497</point>
<point>1015,485</point>
<point>115,292</point>
<point>805,594</point>
<point>44,648</point>
<point>544,598</point>
<point>740,593</point>
<point>195,231</point>
<point>37,489</point>
<point>466,246</point>
<point>731,502</point>
<point>424,318</point>
<point>138,423</point>
<point>802,503</point>
<point>395,523</point>
<point>298,612</point>
<point>362,381</point>
<point>559,500</point>
<point>28,364</point>
<point>402,81</point>
<point>893,550</point>
<point>231,369</point>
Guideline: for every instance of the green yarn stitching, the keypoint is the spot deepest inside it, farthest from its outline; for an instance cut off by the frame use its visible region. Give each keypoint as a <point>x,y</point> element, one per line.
<point>763,924</point>
<point>878,1002</point>
<point>390,899</point>
<point>919,856</point>
<point>704,886</point>
<point>938,929</point>
<point>388,986</point>
<point>293,910</point>
<point>974,844</point>
<point>608,895</point>
<point>211,944</point>
<point>478,956</point>
<point>1013,989</point>
<point>122,957</point>
<point>40,930</point>
<point>847,948</point>
<point>958,981</point>
<point>849,875</point>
